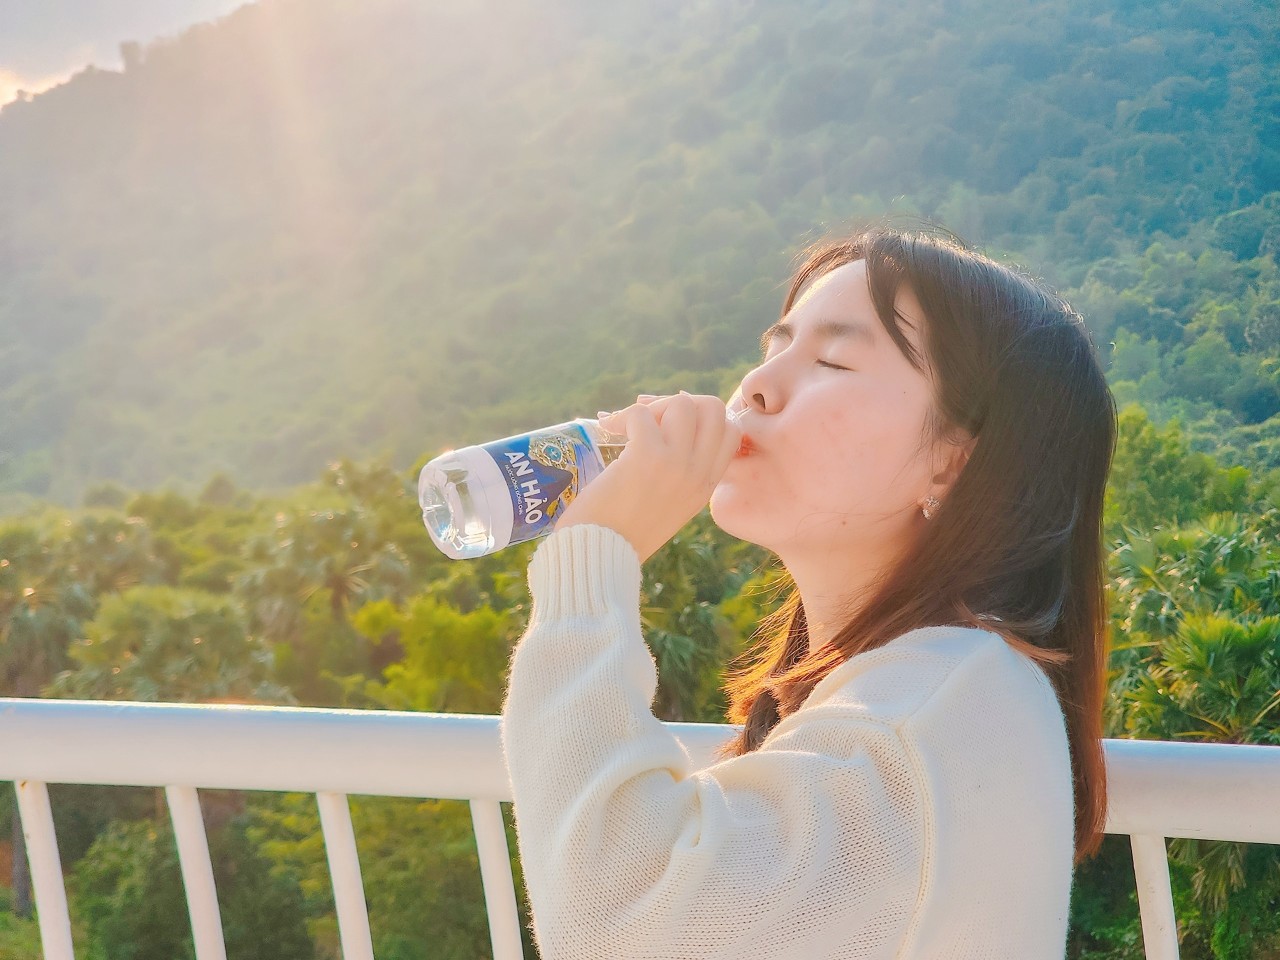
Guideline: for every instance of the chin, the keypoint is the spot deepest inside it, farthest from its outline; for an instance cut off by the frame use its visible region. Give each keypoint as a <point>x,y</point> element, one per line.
<point>733,516</point>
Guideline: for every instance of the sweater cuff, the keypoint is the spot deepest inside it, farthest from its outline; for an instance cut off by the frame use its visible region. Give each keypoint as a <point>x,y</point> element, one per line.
<point>585,569</point>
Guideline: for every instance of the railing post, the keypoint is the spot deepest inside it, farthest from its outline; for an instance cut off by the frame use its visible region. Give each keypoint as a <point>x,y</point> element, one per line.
<point>1155,897</point>
<point>46,869</point>
<point>197,872</point>
<point>344,871</point>
<point>499,884</point>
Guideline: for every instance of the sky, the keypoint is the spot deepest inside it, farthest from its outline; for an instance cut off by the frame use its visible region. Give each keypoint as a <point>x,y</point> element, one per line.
<point>44,42</point>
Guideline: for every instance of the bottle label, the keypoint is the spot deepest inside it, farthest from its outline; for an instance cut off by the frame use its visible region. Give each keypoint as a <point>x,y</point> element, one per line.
<point>544,470</point>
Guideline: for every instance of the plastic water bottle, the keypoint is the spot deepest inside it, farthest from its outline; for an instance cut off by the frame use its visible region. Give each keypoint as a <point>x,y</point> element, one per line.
<point>477,500</point>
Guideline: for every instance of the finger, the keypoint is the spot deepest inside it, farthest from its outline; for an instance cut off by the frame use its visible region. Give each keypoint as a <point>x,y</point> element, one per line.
<point>644,433</point>
<point>647,399</point>
<point>620,422</point>
<point>613,422</point>
<point>657,404</point>
<point>719,438</point>
<point>706,443</point>
<point>679,423</point>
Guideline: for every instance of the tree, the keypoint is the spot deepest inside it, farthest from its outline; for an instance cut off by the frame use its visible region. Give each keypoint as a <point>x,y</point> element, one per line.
<point>1196,616</point>
<point>1157,479</point>
<point>158,643</point>
<point>1207,368</point>
<point>41,608</point>
<point>129,886</point>
<point>305,578</point>
<point>453,662</point>
<point>683,585</point>
<point>1217,679</point>
<point>418,861</point>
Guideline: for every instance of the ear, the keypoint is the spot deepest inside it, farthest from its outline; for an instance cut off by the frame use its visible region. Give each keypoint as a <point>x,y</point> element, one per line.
<point>957,455</point>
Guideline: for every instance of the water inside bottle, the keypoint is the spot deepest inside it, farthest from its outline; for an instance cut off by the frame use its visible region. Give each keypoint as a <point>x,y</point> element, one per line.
<point>609,451</point>
<point>609,446</point>
<point>448,499</point>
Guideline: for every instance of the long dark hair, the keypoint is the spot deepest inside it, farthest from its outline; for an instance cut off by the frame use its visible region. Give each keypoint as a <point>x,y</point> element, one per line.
<point>1019,534</point>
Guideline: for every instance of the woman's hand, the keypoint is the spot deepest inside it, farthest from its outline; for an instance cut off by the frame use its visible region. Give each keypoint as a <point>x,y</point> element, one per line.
<point>678,447</point>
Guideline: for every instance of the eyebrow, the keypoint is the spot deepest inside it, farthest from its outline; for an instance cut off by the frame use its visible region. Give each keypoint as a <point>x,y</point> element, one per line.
<point>822,329</point>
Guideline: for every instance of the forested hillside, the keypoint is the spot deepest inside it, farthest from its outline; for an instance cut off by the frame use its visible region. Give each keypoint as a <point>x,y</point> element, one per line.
<point>327,229</point>
<point>280,260</point>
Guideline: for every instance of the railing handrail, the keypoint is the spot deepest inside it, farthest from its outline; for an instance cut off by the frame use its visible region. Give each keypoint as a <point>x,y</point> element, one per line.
<point>1156,789</point>
<point>1153,785</point>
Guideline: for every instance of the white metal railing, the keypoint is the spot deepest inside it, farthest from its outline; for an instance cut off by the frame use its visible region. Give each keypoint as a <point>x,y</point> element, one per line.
<point>1156,790</point>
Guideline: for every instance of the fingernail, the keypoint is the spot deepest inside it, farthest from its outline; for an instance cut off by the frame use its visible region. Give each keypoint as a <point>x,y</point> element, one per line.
<point>603,414</point>
<point>646,396</point>
<point>686,393</point>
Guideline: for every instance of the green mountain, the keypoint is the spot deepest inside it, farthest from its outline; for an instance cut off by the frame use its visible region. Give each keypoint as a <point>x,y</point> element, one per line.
<point>326,229</point>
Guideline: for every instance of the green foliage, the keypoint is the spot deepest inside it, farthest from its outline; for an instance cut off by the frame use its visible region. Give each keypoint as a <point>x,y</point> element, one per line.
<point>129,888</point>
<point>418,862</point>
<point>1105,922</point>
<point>683,586</point>
<point>452,662</point>
<point>39,611</point>
<point>19,939</point>
<point>1156,479</point>
<point>1196,336</point>
<point>319,561</point>
<point>1215,679</point>
<point>171,644</point>
<point>1225,563</point>
<point>1196,615</point>
<point>1251,230</point>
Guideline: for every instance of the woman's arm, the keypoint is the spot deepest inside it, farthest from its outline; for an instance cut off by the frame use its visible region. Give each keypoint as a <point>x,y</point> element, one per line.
<point>816,839</point>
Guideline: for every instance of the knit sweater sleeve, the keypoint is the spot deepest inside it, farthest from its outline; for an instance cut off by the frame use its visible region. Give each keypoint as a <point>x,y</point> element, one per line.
<point>802,848</point>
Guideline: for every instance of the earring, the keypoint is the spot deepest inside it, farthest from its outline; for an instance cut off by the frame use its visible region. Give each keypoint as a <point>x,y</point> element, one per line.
<point>930,503</point>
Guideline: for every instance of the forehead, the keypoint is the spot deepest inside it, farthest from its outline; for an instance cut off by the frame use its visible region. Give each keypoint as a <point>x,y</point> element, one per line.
<point>845,284</point>
<point>838,304</point>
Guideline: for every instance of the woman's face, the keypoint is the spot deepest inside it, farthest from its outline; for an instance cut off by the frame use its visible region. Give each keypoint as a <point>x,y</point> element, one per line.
<point>837,461</point>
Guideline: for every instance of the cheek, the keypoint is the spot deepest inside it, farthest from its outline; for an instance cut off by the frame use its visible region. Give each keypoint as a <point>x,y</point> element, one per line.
<point>854,452</point>
<point>864,447</point>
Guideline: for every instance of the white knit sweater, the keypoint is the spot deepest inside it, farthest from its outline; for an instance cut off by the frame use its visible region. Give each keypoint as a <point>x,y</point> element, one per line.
<point>918,805</point>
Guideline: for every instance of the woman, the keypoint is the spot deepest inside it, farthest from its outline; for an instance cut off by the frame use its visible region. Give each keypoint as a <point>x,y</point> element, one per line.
<point>925,446</point>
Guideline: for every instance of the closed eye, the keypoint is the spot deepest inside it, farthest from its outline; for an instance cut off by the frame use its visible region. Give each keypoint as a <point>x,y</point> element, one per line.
<point>823,363</point>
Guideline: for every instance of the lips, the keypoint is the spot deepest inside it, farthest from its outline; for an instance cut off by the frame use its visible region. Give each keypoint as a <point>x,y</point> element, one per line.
<point>745,447</point>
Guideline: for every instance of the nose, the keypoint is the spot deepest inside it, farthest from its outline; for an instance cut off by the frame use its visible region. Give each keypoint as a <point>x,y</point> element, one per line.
<point>755,393</point>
